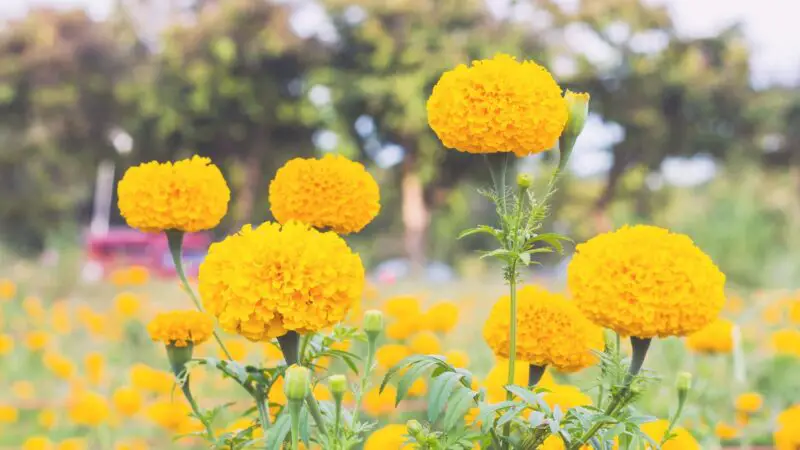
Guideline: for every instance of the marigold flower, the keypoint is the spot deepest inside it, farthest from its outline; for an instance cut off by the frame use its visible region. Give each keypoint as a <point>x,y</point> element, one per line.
<point>331,192</point>
<point>8,289</point>
<point>418,388</point>
<point>786,342</point>
<point>498,105</point>
<point>645,281</point>
<point>265,281</point>
<point>238,350</point>
<point>34,309</point>
<point>565,397</point>
<point>496,379</point>
<point>401,329</point>
<point>787,433</point>
<point>378,403</point>
<point>127,304</point>
<point>89,408</point>
<point>390,355</point>
<point>37,443</point>
<point>95,364</point>
<point>188,195</point>
<point>457,359</point>
<point>47,418</point>
<point>8,414</point>
<point>390,437</point>
<point>717,337</point>
<point>402,307</point>
<point>60,365</point>
<point>148,379</point>
<point>725,432</point>
<point>550,331</point>
<point>36,340</point>
<point>179,328</point>
<point>683,440</point>
<point>441,317</point>
<point>72,444</point>
<point>170,415</point>
<point>425,343</point>
<point>127,401</point>
<point>60,318</point>
<point>6,344</point>
<point>749,402</point>
<point>23,390</point>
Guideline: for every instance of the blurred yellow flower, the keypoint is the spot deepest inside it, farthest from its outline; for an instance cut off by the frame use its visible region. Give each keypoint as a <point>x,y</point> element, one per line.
<point>402,306</point>
<point>242,424</point>
<point>127,401</point>
<point>33,309</point>
<point>6,344</point>
<point>786,342</point>
<point>139,444</point>
<point>8,414</point>
<point>717,337</point>
<point>127,304</point>
<point>787,432</point>
<point>60,318</point>
<point>794,312</point>
<point>88,408</point>
<point>389,355</point>
<point>23,390</point>
<point>683,440</point>
<point>441,317</point>
<point>749,402</point>
<point>61,366</point>
<point>238,350</point>
<point>135,275</point>
<point>390,437</point>
<point>496,379</point>
<point>551,331</point>
<point>179,328</point>
<point>418,388</point>
<point>328,193</point>
<point>73,444</point>
<point>726,432</point>
<point>171,416</point>
<point>8,289</point>
<point>565,397</point>
<point>457,359</point>
<point>276,394</point>
<point>94,363</point>
<point>498,105</point>
<point>646,281</point>
<point>322,393</point>
<point>95,323</point>
<point>47,418</point>
<point>380,403</point>
<point>402,329</point>
<point>147,379</point>
<point>36,340</point>
<point>272,353</point>
<point>265,281</point>
<point>188,195</point>
<point>425,343</point>
<point>37,443</point>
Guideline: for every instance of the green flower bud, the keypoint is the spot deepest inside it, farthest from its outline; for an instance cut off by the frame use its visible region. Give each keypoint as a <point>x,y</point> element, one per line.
<point>414,428</point>
<point>373,323</point>
<point>297,383</point>
<point>179,356</point>
<point>338,385</point>
<point>578,107</point>
<point>684,384</point>
<point>524,181</point>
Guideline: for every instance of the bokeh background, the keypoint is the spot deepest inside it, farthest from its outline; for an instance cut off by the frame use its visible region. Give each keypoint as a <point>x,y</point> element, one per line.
<point>695,126</point>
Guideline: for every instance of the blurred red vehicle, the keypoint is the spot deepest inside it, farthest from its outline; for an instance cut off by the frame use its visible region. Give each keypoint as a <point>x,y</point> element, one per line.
<point>123,247</point>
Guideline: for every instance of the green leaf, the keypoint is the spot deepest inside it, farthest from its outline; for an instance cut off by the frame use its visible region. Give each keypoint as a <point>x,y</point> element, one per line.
<point>484,229</point>
<point>408,378</point>
<point>278,431</point>
<point>440,389</point>
<point>457,406</point>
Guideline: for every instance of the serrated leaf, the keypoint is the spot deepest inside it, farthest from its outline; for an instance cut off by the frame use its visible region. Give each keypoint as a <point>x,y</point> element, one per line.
<point>441,387</point>
<point>527,396</point>
<point>485,229</point>
<point>457,406</point>
<point>408,378</point>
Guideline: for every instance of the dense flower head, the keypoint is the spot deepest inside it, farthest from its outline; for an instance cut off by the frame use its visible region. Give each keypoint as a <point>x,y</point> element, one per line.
<point>717,337</point>
<point>550,331</point>
<point>390,437</point>
<point>180,328</point>
<point>749,402</point>
<point>188,195</point>
<point>565,397</point>
<point>682,439</point>
<point>645,281</point>
<point>787,433</point>
<point>331,192</point>
<point>264,281</point>
<point>498,105</point>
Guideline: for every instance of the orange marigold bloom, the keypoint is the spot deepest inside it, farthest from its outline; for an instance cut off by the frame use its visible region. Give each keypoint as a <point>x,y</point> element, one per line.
<point>683,440</point>
<point>749,402</point>
<point>179,328</point>
<point>645,281</point>
<point>715,338</point>
<point>498,105</point>
<point>787,433</point>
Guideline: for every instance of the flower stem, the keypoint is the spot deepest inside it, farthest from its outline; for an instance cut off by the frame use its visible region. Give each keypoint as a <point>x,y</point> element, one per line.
<point>263,410</point>
<point>294,410</point>
<point>187,392</point>
<point>290,347</point>
<point>175,243</point>
<point>368,363</point>
<point>313,408</point>
<point>512,351</point>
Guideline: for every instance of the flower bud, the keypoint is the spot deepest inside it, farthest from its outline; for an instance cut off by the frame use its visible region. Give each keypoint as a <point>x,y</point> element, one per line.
<point>684,381</point>
<point>297,383</point>
<point>373,323</point>
<point>414,427</point>
<point>338,385</point>
<point>178,356</point>
<point>524,181</point>
<point>578,107</point>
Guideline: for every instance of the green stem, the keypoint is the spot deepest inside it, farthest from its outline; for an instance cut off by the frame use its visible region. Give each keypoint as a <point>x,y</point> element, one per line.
<point>512,351</point>
<point>263,410</point>
<point>368,363</point>
<point>303,346</point>
<point>673,422</point>
<point>313,408</point>
<point>187,392</point>
<point>175,243</point>
<point>294,410</point>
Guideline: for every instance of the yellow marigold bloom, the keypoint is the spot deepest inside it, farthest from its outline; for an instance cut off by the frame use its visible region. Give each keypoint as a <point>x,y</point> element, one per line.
<point>8,289</point>
<point>60,318</point>
<point>550,331</point>
<point>402,329</point>
<point>786,342</point>
<point>426,343</point>
<point>188,195</point>
<point>95,364</point>
<point>72,444</point>
<point>402,307</point>
<point>787,433</point>
<point>276,393</point>
<point>47,418</point>
<point>23,390</point>
<point>36,340</point>
<point>60,365</point>
<point>127,304</point>
<point>498,105</point>
<point>34,309</point>
<point>726,432</point>
<point>645,281</point>
<point>390,437</point>
<point>147,379</point>
<point>262,282</point>
<point>6,344</point>
<point>139,444</point>
<point>418,388</point>
<point>127,401</point>
<point>180,328</point>
<point>170,415</point>
<point>496,379</point>
<point>378,403</point>
<point>238,350</point>
<point>566,397</point>
<point>37,443</point>
<point>794,312</point>
<point>390,355</point>
<point>8,414</point>
<point>457,359</point>
<point>441,317</point>
<point>749,402</point>
<point>332,192</point>
<point>683,440</point>
<point>89,408</point>
<point>717,337</point>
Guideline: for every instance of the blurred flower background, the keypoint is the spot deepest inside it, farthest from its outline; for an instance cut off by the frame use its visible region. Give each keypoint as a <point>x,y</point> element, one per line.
<point>695,112</point>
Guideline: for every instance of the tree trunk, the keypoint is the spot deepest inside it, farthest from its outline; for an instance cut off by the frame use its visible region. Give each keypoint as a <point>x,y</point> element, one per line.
<point>602,222</point>
<point>248,190</point>
<point>416,216</point>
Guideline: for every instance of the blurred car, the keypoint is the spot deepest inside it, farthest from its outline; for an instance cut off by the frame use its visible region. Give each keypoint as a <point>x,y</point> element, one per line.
<point>122,247</point>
